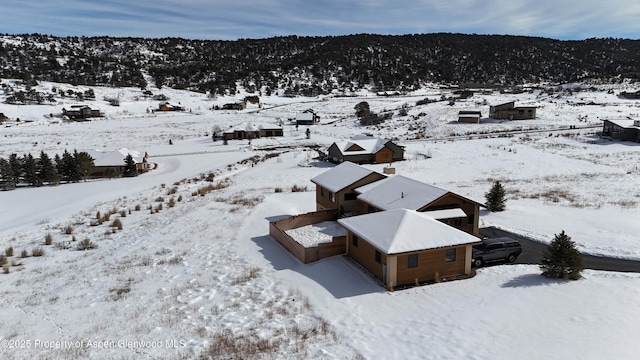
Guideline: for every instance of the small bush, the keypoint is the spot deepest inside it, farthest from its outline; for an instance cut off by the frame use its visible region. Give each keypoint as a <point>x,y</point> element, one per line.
<point>68,230</point>
<point>8,251</point>
<point>159,199</point>
<point>98,215</point>
<point>86,244</point>
<point>48,239</point>
<point>278,190</point>
<point>5,269</point>
<point>179,197</point>
<point>117,224</point>
<point>158,207</point>
<point>37,251</point>
<point>296,188</point>
<point>123,213</point>
<point>24,254</point>
<point>3,260</point>
<point>137,208</point>
<point>172,191</point>
<point>171,203</point>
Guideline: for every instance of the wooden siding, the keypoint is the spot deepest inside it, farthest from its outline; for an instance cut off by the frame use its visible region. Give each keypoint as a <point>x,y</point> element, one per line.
<point>432,266</point>
<point>307,254</point>
<point>452,200</point>
<point>365,255</point>
<point>384,155</point>
<point>323,198</point>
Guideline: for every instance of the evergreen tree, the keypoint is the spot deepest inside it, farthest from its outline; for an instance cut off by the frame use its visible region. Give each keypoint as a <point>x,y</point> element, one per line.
<point>16,168</point>
<point>7,180</point>
<point>495,198</point>
<point>46,169</point>
<point>129,167</point>
<point>57,161</point>
<point>85,164</point>
<point>70,171</point>
<point>561,259</point>
<point>30,170</point>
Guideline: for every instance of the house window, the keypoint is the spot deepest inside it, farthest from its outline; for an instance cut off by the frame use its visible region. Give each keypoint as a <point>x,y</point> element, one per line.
<point>470,219</point>
<point>350,196</point>
<point>331,198</point>
<point>354,240</point>
<point>450,255</point>
<point>378,256</point>
<point>412,261</point>
<point>322,192</point>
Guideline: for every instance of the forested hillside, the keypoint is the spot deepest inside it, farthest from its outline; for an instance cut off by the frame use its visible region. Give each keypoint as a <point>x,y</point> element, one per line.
<point>314,65</point>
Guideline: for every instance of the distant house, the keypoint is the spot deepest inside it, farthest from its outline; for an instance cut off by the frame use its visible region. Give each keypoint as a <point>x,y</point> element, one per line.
<point>112,164</point>
<point>307,117</point>
<point>622,129</point>
<point>239,105</point>
<point>472,117</point>
<point>270,130</point>
<point>630,95</point>
<point>510,112</point>
<point>406,247</point>
<point>253,99</point>
<point>246,131</point>
<point>399,191</point>
<point>81,112</point>
<point>365,150</point>
<point>335,188</point>
<point>166,106</point>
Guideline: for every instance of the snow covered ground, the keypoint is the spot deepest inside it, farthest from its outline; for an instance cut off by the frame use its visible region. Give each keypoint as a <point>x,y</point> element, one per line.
<point>314,234</point>
<point>193,271</point>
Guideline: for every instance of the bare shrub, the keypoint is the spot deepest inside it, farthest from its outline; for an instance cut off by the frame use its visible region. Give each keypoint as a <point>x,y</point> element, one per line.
<point>137,208</point>
<point>5,269</point>
<point>210,177</point>
<point>179,197</point>
<point>159,199</point>
<point>24,253</point>
<point>171,203</point>
<point>158,207</point>
<point>106,217</point>
<point>8,251</point>
<point>278,189</point>
<point>248,275</point>
<point>123,213</point>
<point>227,345</point>
<point>296,188</point>
<point>172,191</point>
<point>68,230</point>
<point>116,224</point>
<point>86,244</point>
<point>98,215</point>
<point>119,292</point>
<point>48,239</point>
<point>3,260</point>
<point>62,245</point>
<point>37,251</point>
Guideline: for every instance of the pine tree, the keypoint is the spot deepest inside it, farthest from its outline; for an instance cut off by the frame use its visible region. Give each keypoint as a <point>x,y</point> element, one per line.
<point>495,197</point>
<point>129,167</point>
<point>561,259</point>
<point>85,163</point>
<point>16,168</point>
<point>47,170</point>
<point>69,171</point>
<point>7,180</point>
<point>30,170</point>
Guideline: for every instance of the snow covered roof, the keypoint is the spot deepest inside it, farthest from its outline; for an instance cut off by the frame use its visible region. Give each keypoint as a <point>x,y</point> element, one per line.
<point>625,123</point>
<point>368,144</point>
<point>401,230</point>
<point>446,214</point>
<point>113,158</point>
<point>304,116</point>
<point>399,192</point>
<point>341,176</point>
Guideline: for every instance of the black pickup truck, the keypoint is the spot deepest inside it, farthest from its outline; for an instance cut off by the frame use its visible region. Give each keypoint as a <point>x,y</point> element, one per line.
<point>496,249</point>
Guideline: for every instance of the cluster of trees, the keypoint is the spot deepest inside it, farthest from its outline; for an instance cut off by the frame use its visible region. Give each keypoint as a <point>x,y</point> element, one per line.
<point>31,171</point>
<point>368,117</point>
<point>314,65</point>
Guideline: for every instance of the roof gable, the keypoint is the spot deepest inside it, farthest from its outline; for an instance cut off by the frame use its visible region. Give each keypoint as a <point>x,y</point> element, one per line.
<point>341,176</point>
<point>362,144</point>
<point>401,230</point>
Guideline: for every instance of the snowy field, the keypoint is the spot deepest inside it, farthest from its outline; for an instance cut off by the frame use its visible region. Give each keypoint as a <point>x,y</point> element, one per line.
<point>193,272</point>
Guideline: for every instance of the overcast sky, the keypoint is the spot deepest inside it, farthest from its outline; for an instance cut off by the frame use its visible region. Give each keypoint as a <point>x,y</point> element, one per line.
<point>231,20</point>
